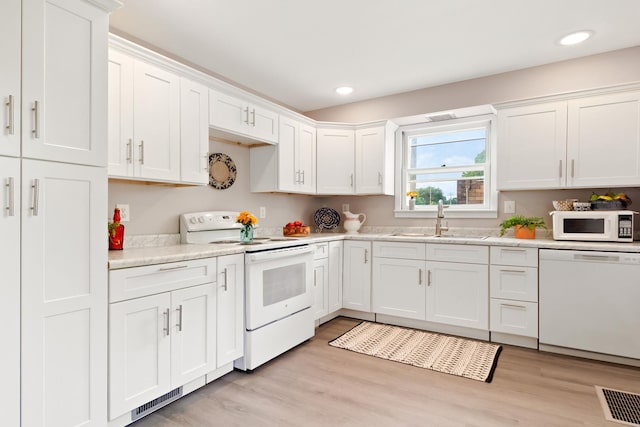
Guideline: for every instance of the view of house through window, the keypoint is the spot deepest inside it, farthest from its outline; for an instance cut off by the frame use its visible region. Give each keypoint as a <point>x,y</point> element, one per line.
<point>448,162</point>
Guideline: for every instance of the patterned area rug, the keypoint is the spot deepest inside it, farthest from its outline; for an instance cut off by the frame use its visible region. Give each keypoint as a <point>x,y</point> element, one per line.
<point>451,355</point>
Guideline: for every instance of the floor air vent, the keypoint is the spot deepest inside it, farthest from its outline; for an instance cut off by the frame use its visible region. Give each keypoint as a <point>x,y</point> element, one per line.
<point>155,404</point>
<point>620,406</point>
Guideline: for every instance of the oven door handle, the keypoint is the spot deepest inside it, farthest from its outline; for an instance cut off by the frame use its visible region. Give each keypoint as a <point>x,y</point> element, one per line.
<point>277,253</point>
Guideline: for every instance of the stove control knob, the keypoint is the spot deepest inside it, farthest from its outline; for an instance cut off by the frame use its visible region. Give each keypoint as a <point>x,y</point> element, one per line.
<point>201,219</point>
<point>192,220</point>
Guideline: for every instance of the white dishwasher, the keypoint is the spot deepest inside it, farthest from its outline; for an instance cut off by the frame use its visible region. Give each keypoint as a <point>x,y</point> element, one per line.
<point>590,301</point>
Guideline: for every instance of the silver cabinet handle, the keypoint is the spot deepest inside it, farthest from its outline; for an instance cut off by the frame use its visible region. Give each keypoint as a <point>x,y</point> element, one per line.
<point>315,278</point>
<point>298,176</point>
<point>572,167</point>
<point>352,180</point>
<point>253,115</point>
<point>129,150</point>
<point>10,126</point>
<point>226,284</point>
<point>419,276</point>
<point>206,162</point>
<point>36,196</point>
<point>302,178</point>
<point>379,178</point>
<point>177,267</point>
<point>10,196</point>
<point>512,305</point>
<point>366,256</point>
<point>560,169</point>
<point>141,151</point>
<point>179,324</point>
<point>167,315</point>
<point>512,271</point>
<point>36,114</point>
<point>428,277</point>
<point>246,117</point>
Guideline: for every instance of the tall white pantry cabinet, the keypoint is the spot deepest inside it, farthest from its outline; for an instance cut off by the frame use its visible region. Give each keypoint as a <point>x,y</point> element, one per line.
<point>53,86</point>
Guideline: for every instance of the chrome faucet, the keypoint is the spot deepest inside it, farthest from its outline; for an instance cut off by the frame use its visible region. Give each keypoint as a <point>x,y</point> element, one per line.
<point>439,227</point>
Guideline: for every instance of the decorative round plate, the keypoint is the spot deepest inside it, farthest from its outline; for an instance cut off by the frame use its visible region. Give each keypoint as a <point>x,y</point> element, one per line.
<point>222,171</point>
<point>326,218</point>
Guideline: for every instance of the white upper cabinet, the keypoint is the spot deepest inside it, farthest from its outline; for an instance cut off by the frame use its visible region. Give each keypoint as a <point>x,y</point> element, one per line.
<point>289,166</point>
<point>194,132</point>
<point>10,77</point>
<point>374,160</point>
<point>583,142</point>
<point>532,146</point>
<point>63,81</point>
<point>144,120</point>
<point>335,161</point>
<point>242,118</point>
<point>603,143</point>
<point>357,161</point>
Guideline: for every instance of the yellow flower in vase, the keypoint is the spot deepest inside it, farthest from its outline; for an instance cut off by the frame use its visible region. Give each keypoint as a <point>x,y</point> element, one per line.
<point>248,221</point>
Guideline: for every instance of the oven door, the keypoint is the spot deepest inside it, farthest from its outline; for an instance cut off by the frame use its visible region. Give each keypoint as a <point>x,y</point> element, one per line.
<point>278,283</point>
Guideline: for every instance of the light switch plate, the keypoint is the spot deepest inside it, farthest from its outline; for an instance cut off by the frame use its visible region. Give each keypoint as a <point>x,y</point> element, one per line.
<point>263,212</point>
<point>345,207</point>
<point>509,206</point>
<point>125,214</point>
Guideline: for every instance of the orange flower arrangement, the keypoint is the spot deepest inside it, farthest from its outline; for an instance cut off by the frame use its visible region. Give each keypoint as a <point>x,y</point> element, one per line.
<point>245,218</point>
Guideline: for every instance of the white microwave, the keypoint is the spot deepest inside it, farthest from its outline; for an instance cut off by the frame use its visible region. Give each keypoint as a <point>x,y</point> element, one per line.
<point>593,226</point>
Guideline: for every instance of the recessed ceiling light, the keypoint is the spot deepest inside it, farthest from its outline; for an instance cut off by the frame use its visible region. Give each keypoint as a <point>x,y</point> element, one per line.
<point>575,38</point>
<point>344,90</point>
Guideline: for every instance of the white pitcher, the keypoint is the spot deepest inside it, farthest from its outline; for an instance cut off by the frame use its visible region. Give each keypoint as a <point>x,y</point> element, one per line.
<point>352,222</point>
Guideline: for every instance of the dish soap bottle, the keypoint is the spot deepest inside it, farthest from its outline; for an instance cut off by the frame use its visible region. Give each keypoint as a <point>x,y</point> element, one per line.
<point>116,232</point>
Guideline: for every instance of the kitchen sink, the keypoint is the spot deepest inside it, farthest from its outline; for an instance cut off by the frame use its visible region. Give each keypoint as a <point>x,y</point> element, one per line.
<point>399,234</point>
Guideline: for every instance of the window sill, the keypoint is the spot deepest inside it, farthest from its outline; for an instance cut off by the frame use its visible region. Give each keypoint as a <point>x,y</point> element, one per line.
<point>467,213</point>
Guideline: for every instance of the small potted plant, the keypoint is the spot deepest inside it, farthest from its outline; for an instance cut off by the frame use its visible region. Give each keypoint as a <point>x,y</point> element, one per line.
<point>525,227</point>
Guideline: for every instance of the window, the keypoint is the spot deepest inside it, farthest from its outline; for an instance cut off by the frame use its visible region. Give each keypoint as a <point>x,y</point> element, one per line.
<point>449,161</point>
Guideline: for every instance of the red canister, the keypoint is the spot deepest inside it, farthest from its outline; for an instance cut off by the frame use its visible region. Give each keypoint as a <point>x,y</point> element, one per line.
<point>116,232</point>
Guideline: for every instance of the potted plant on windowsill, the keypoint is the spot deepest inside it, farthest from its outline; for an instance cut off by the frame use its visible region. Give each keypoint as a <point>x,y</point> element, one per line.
<point>525,227</point>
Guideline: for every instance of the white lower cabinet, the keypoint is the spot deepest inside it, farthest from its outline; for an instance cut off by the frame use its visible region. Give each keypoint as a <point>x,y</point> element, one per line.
<point>230,309</point>
<point>335,275</point>
<point>514,295</point>
<point>398,287</point>
<point>320,288</point>
<point>10,291</point>
<point>356,290</point>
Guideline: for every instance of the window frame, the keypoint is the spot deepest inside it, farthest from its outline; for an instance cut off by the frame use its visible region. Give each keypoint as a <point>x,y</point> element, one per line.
<point>487,210</point>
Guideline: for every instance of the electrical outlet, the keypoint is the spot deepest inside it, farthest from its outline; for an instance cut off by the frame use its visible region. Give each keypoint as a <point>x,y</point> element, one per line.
<point>125,214</point>
<point>263,212</point>
<point>345,207</point>
<point>509,206</point>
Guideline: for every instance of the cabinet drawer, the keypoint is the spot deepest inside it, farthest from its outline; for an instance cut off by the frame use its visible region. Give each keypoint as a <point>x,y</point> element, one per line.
<point>525,257</point>
<point>136,282</point>
<point>399,250</point>
<point>514,283</point>
<point>514,317</point>
<point>473,254</point>
<point>320,250</point>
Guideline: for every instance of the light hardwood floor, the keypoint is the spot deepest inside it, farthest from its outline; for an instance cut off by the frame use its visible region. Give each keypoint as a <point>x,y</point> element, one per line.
<point>319,385</point>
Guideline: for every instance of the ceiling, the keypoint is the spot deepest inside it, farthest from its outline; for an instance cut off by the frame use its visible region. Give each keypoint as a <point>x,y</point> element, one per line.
<point>297,52</point>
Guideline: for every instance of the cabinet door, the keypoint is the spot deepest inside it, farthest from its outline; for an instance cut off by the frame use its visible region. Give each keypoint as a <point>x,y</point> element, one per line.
<point>320,288</point>
<point>369,160</point>
<point>356,290</point>
<point>307,159</point>
<point>603,146</point>
<point>64,294</point>
<point>10,77</point>
<point>193,333</point>
<point>64,81</point>
<point>458,294</point>
<point>263,124</point>
<point>120,115</point>
<point>227,112</point>
<point>335,276</point>
<point>230,299</point>
<point>156,112</point>
<point>139,352</point>
<point>335,161</point>
<point>10,290</point>
<point>194,132</point>
<point>398,287</point>
<point>288,143</point>
<point>532,147</point>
